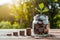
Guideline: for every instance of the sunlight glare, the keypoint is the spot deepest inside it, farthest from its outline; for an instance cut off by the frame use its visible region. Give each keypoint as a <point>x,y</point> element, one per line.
<point>2,2</point>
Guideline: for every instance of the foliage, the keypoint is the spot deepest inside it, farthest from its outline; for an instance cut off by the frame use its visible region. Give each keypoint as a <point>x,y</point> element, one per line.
<point>41,6</point>
<point>16,25</point>
<point>53,11</point>
<point>5,25</point>
<point>8,25</point>
<point>55,0</point>
<point>45,10</point>
<point>54,14</point>
<point>24,12</point>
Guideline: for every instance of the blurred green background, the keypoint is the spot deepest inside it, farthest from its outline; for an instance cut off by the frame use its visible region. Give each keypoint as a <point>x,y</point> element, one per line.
<point>20,14</point>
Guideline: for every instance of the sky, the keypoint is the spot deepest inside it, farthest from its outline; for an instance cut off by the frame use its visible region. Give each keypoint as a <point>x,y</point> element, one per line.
<point>2,2</point>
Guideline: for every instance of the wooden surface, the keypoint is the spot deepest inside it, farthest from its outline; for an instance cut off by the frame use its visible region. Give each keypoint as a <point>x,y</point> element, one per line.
<point>55,32</point>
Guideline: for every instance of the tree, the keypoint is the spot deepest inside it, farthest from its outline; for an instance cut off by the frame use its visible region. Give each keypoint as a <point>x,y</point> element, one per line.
<point>54,10</point>
<point>23,12</point>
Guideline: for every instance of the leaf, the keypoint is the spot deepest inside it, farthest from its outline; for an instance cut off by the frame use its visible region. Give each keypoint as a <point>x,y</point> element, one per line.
<point>38,10</point>
<point>24,7</point>
<point>45,10</point>
<point>55,17</point>
<point>55,0</point>
<point>58,15</point>
<point>12,14</point>
<point>12,11</point>
<point>17,17</point>
<point>26,17</point>
<point>41,6</point>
